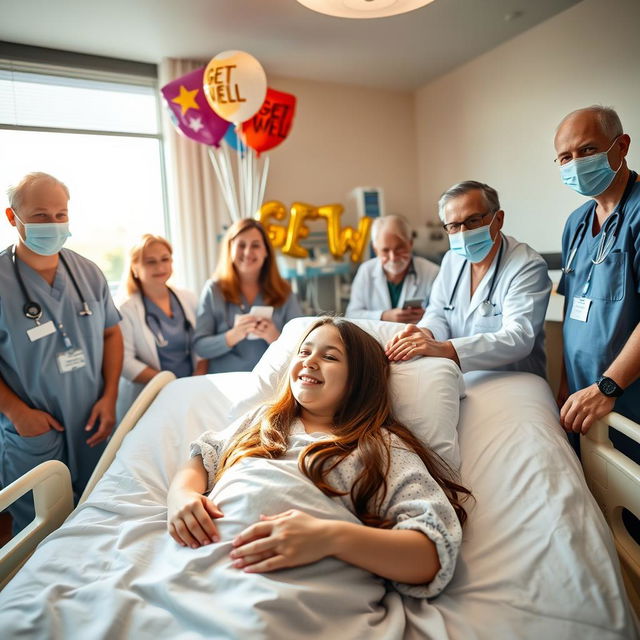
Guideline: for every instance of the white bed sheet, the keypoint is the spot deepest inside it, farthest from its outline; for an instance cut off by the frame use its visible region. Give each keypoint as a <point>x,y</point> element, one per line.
<point>537,559</point>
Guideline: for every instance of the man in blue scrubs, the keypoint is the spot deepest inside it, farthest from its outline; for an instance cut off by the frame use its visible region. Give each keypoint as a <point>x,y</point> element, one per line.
<point>601,279</point>
<point>60,345</point>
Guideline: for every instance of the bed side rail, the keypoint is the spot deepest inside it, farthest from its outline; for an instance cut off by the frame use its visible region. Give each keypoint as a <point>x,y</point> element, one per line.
<point>53,501</point>
<point>614,480</point>
<point>139,406</point>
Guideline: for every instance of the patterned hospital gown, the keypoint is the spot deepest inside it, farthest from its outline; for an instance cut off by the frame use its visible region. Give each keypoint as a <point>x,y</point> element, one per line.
<point>413,500</point>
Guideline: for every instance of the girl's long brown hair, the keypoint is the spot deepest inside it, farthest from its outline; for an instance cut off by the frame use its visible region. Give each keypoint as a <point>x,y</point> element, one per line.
<point>275,290</point>
<point>359,425</point>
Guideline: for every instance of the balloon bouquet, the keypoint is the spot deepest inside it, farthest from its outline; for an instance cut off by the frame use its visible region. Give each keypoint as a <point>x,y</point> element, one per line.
<point>228,100</point>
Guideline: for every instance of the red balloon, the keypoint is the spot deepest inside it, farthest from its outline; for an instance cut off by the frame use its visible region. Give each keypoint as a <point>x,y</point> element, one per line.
<point>271,125</point>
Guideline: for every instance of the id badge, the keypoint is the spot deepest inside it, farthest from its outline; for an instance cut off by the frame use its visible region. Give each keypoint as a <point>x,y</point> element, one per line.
<point>70,360</point>
<point>580,309</point>
<point>41,331</point>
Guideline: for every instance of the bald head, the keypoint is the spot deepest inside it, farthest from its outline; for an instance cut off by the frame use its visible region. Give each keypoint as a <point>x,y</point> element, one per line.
<point>588,131</point>
<point>605,119</point>
<point>33,184</point>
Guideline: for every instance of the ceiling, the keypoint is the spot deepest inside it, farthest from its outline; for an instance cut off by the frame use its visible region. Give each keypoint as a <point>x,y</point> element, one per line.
<point>399,52</point>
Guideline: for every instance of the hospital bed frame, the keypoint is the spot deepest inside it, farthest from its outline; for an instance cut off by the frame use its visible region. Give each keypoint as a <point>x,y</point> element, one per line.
<point>51,485</point>
<point>613,479</point>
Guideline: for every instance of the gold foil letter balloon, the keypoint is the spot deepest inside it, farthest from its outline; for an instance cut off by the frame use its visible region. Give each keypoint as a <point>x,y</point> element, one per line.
<point>339,239</point>
<point>331,213</point>
<point>235,85</point>
<point>273,209</point>
<point>357,240</point>
<point>298,229</point>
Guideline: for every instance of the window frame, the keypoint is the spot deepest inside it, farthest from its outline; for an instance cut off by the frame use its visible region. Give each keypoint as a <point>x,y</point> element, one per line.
<point>54,62</point>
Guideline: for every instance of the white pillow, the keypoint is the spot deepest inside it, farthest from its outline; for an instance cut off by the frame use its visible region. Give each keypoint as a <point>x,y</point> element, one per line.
<point>425,392</point>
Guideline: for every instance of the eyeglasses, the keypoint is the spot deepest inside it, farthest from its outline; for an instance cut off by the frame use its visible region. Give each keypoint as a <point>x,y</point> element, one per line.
<point>472,222</point>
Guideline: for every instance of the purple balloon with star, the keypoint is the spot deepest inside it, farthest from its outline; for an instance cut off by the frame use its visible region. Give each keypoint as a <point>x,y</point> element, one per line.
<point>190,112</point>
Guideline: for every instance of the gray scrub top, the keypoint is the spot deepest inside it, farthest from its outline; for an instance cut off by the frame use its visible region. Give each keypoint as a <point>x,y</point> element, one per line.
<point>175,356</point>
<point>591,346</point>
<point>216,316</point>
<point>30,369</point>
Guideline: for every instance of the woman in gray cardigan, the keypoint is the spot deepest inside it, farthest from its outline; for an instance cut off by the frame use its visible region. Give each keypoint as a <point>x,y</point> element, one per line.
<point>233,327</point>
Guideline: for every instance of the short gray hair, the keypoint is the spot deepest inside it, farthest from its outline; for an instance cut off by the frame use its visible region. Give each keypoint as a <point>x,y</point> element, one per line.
<point>607,117</point>
<point>457,190</point>
<point>15,193</point>
<point>399,223</point>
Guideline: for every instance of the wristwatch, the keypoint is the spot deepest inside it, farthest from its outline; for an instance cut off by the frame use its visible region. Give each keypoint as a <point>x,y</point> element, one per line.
<point>609,387</point>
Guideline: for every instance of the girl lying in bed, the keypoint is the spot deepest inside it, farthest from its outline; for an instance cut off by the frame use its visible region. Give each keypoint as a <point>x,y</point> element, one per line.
<point>331,430</point>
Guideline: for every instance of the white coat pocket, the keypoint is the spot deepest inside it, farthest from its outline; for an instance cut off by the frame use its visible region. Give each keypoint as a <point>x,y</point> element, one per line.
<point>488,324</point>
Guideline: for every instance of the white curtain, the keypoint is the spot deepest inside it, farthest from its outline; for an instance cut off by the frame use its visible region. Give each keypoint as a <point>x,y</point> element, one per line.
<point>196,205</point>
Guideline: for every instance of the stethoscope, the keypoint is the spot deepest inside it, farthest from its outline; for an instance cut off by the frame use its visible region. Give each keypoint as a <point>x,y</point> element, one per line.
<point>33,310</point>
<point>608,235</point>
<point>486,307</point>
<point>161,341</point>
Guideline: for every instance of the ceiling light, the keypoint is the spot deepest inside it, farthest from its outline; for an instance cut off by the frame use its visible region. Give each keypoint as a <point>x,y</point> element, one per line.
<point>363,8</point>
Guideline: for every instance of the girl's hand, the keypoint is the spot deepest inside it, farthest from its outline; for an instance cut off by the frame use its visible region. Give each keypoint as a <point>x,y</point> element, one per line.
<point>190,518</point>
<point>246,324</point>
<point>288,539</point>
<point>266,330</point>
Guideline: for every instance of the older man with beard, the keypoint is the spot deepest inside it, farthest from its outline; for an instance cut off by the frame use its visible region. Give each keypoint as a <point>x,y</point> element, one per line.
<point>395,285</point>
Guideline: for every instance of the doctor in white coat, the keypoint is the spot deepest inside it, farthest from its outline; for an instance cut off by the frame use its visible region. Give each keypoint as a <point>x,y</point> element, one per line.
<point>489,301</point>
<point>157,322</point>
<point>395,285</point>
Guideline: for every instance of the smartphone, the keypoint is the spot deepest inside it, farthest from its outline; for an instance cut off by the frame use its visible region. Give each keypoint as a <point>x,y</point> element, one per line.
<point>259,312</point>
<point>413,303</point>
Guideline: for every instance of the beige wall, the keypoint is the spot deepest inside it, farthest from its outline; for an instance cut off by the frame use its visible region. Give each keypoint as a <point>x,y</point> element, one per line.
<point>493,119</point>
<point>344,137</point>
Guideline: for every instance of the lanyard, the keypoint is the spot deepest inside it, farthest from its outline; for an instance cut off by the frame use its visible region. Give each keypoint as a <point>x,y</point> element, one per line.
<point>487,300</point>
<point>161,341</point>
<point>33,310</point>
<point>612,223</point>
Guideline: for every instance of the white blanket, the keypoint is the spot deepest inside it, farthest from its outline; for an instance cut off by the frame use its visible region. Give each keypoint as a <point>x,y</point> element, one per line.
<point>537,559</point>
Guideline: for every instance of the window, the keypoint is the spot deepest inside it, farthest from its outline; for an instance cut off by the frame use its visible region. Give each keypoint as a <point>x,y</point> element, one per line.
<point>97,132</point>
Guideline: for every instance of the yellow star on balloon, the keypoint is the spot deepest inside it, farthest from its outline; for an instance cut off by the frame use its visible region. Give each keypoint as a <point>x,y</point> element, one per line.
<point>186,99</point>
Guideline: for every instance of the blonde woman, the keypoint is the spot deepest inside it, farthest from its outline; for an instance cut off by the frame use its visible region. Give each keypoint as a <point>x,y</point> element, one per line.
<point>157,321</point>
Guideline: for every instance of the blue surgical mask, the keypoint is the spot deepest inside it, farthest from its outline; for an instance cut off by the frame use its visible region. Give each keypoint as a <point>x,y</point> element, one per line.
<point>474,244</point>
<point>45,238</point>
<point>589,176</point>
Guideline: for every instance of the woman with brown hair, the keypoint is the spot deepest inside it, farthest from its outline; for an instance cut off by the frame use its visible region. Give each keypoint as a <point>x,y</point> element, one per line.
<point>157,321</point>
<point>331,425</point>
<point>234,326</point>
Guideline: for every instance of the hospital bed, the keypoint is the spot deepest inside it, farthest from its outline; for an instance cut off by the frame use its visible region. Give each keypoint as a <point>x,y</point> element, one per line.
<point>537,560</point>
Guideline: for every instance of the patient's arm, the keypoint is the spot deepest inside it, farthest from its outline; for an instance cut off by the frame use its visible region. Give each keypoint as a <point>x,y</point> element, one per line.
<point>190,514</point>
<point>293,538</point>
<point>419,554</point>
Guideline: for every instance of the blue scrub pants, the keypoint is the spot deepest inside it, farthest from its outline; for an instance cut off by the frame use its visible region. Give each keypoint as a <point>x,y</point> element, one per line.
<point>19,455</point>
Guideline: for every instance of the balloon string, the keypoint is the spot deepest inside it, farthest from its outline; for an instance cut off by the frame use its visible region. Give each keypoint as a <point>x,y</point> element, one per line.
<point>225,190</point>
<point>227,184</point>
<point>230,180</point>
<point>246,183</point>
<point>263,182</point>
<point>226,193</point>
<point>241,176</point>
<point>252,184</point>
